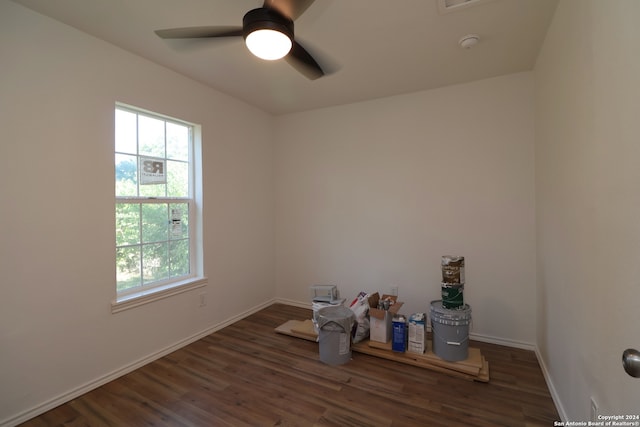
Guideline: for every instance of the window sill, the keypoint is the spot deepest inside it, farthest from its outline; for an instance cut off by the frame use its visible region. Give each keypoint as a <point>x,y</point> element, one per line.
<point>147,296</point>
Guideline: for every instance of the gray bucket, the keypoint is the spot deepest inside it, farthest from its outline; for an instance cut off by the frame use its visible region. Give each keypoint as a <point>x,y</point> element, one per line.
<point>450,331</point>
<point>334,338</point>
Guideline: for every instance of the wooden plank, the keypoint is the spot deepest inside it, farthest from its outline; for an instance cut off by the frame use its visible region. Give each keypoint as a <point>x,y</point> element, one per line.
<point>291,328</point>
<point>363,347</point>
<point>471,365</point>
<point>305,328</point>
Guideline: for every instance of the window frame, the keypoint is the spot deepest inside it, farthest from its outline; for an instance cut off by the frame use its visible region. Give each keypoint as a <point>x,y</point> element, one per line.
<point>163,288</point>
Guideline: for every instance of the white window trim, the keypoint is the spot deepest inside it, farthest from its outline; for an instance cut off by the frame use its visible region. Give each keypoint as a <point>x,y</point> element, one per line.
<point>146,296</point>
<point>198,280</point>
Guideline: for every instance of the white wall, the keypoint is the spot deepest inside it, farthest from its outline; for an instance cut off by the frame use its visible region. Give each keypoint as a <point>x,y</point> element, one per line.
<point>58,89</point>
<point>372,194</point>
<point>588,204</point>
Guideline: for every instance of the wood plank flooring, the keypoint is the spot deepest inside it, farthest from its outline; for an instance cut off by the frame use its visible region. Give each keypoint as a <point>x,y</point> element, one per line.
<point>247,375</point>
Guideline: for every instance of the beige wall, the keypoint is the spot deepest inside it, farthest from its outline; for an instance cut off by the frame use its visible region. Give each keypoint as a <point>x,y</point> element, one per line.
<point>588,204</point>
<point>372,194</point>
<point>58,89</point>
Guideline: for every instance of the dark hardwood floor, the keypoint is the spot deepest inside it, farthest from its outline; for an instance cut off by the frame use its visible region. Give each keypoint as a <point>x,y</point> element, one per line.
<point>247,375</point>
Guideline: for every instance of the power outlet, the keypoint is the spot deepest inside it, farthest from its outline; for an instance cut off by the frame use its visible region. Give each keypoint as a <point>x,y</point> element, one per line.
<point>594,410</point>
<point>394,290</point>
<point>203,299</point>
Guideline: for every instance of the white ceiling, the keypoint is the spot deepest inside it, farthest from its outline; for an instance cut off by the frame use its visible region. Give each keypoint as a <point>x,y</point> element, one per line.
<point>374,48</point>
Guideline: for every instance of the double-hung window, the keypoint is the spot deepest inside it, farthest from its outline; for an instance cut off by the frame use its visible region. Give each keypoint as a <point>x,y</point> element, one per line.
<point>155,208</point>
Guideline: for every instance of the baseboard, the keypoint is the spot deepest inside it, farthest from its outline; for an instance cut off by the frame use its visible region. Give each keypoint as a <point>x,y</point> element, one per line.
<point>293,303</point>
<point>91,385</point>
<point>554,393</point>
<point>502,341</point>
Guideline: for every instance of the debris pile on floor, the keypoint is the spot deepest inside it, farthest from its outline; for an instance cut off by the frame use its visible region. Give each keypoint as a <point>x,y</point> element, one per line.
<point>373,325</point>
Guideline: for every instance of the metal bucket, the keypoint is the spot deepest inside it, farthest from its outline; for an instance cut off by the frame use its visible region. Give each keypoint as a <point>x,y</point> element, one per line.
<point>450,331</point>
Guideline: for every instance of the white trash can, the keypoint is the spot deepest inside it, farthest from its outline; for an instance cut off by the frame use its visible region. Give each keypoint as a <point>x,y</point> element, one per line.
<point>334,339</point>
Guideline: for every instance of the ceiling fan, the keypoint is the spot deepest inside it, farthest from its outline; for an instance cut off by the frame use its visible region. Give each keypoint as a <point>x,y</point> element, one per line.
<point>268,34</point>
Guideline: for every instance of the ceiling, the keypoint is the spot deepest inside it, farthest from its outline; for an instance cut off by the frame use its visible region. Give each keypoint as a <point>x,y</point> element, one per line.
<point>371,48</point>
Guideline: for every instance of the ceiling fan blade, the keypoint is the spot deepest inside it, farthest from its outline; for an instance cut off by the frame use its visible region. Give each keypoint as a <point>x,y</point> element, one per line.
<point>292,9</point>
<point>302,61</point>
<point>199,32</point>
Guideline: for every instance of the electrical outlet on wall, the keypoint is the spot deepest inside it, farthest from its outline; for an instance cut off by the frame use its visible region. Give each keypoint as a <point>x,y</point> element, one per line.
<point>203,299</point>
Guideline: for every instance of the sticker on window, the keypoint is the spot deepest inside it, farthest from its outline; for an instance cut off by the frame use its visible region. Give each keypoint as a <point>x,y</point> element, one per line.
<point>176,223</point>
<point>152,171</point>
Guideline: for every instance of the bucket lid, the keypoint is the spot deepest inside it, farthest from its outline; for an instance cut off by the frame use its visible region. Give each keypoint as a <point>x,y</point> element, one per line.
<point>317,305</point>
<point>339,315</point>
<point>455,315</point>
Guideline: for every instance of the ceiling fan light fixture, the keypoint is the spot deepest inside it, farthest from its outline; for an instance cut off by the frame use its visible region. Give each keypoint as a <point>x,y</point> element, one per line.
<point>268,44</point>
<point>267,33</point>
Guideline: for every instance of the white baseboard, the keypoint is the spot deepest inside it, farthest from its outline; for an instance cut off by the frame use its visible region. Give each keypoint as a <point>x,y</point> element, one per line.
<point>91,385</point>
<point>293,303</point>
<point>503,341</point>
<point>554,393</point>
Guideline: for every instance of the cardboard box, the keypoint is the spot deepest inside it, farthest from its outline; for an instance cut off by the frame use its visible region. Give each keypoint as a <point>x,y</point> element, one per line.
<point>417,333</point>
<point>380,327</point>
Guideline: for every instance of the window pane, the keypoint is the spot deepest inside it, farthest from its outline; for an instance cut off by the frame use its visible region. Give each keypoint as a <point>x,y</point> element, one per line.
<point>151,136</point>
<point>155,222</point>
<point>153,190</point>
<point>154,262</point>
<point>179,257</point>
<point>177,142</point>
<point>127,224</point>
<point>125,132</point>
<point>128,268</point>
<point>177,179</point>
<point>126,175</point>
<point>179,221</point>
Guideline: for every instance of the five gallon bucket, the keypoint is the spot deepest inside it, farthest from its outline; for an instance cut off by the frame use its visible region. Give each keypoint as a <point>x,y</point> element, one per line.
<point>450,331</point>
<point>334,338</point>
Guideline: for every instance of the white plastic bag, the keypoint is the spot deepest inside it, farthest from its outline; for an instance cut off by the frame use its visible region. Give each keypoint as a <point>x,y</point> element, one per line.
<point>360,308</point>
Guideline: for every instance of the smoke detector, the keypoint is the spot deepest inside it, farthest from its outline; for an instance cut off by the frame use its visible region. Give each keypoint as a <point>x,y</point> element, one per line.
<point>469,41</point>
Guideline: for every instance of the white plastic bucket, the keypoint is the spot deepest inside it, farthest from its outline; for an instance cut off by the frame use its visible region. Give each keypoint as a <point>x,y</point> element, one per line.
<point>317,306</point>
<point>334,339</point>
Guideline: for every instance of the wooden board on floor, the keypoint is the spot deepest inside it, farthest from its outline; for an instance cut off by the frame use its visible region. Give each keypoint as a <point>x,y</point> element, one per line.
<point>452,368</point>
<point>472,365</point>
<point>299,329</point>
<point>475,367</point>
